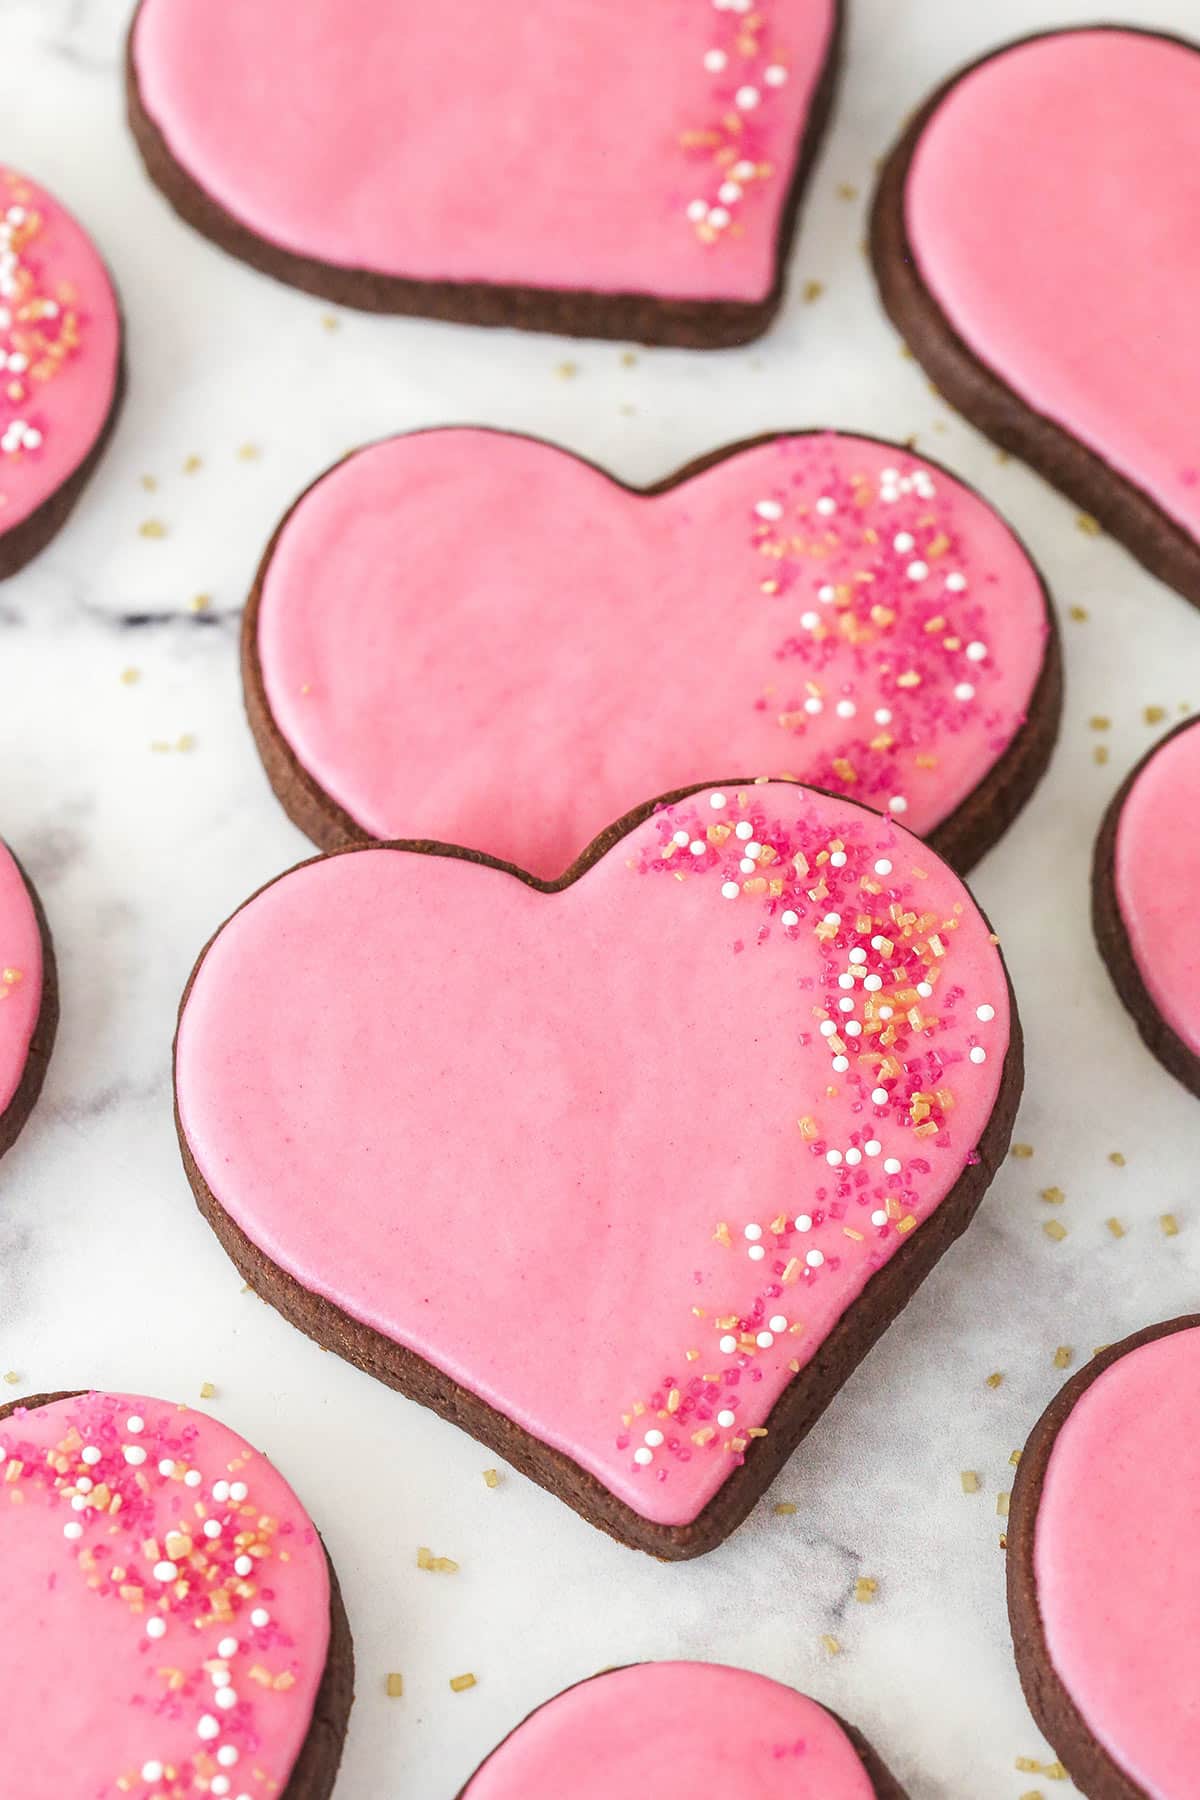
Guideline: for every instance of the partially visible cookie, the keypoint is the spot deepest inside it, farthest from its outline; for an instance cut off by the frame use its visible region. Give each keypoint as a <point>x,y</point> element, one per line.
<point>451,617</point>
<point>170,1625</point>
<point>28,997</point>
<point>575,168</point>
<point>1145,879</point>
<point>60,365</point>
<point>1034,238</point>
<point>1104,1569</point>
<point>678,1730</point>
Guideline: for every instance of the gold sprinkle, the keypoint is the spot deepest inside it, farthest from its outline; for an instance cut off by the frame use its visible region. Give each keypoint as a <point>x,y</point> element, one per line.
<point>200,603</point>
<point>1117,1160</point>
<point>865,1589</point>
<point>831,1644</point>
<point>1100,723</point>
<point>1170,1225</point>
<point>1116,1227</point>
<point>1062,1356</point>
<point>460,1683</point>
<point>566,371</point>
<point>185,742</point>
<point>1079,614</point>
<point>1023,1151</point>
<point>207,1390</point>
<point>491,1478</point>
<point>1002,1500</point>
<point>331,322</point>
<point>149,483</point>
<point>1090,527</point>
<point>970,1481</point>
<point>1033,1794</point>
<point>1055,1229</point>
<point>812,290</point>
<point>248,452</point>
<point>1100,753</point>
<point>440,1565</point>
<point>152,528</point>
<point>994,1379</point>
<point>394,1684</point>
<point>721,1236</point>
<point>130,676</point>
<point>1053,1196</point>
<point>191,464</point>
<point>784,1509</point>
<point>628,359</point>
<point>1154,715</point>
<point>11,1377</point>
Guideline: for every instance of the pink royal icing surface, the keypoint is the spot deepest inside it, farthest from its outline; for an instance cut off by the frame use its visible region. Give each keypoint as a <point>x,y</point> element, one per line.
<point>569,148</point>
<point>1060,181</point>
<point>676,1730</point>
<point>1114,1560</point>
<point>164,1619</point>
<point>455,617</point>
<point>458,1107</point>
<point>59,347</point>
<point>20,976</point>
<point>1156,867</point>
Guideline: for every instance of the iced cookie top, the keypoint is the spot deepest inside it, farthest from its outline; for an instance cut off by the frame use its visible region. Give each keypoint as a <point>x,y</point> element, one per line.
<point>20,976</point>
<point>164,1619</point>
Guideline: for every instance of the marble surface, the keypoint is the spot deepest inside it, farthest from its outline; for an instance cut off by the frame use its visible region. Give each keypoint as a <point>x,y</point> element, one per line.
<point>107,1274</point>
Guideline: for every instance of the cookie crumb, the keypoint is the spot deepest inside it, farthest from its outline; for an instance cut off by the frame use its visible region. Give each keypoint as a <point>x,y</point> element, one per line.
<point>1170,1225</point>
<point>491,1478</point>
<point>207,1390</point>
<point>970,1481</point>
<point>1116,1227</point>
<point>1062,1356</point>
<point>865,1589</point>
<point>460,1683</point>
<point>394,1684</point>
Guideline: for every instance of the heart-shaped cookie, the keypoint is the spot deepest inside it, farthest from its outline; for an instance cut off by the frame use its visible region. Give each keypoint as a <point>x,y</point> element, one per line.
<point>1102,1579</point>
<point>452,618</point>
<point>170,1625</point>
<point>1144,878</point>
<point>60,366</point>
<point>576,168</point>
<point>678,1730</point>
<point>624,1173</point>
<point>1035,241</point>
<point>28,997</point>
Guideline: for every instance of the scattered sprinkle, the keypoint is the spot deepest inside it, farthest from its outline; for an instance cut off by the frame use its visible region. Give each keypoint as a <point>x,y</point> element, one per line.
<point>460,1683</point>
<point>192,463</point>
<point>994,1379</point>
<point>149,482</point>
<point>130,676</point>
<point>1002,1500</point>
<point>784,1509</point>
<point>1079,614</point>
<point>1117,1160</point>
<point>152,528</point>
<point>1055,1229</point>
<point>331,322</point>
<point>248,452</point>
<point>831,1644</point>
<point>1100,753</point>
<point>1116,1227</point>
<point>207,1390</point>
<point>200,603</point>
<point>865,1589</point>
<point>567,371</point>
<point>11,1377</point>
<point>394,1684</point>
<point>1022,1151</point>
<point>1100,723</point>
<point>1063,1356</point>
<point>441,1565</point>
<point>491,1478</point>
<point>812,290</point>
<point>1170,1225</point>
<point>1053,1196</point>
<point>1090,527</point>
<point>970,1481</point>
<point>1154,715</point>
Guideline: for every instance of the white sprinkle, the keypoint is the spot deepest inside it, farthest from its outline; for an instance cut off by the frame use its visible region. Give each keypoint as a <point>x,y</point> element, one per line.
<point>134,1454</point>
<point>873,1147</point>
<point>804,1222</point>
<point>854,1157</point>
<point>753,1232</point>
<point>227,1647</point>
<point>956,584</point>
<point>152,1771</point>
<point>682,839</point>
<point>846,1004</point>
<point>227,1756</point>
<point>833,1158</point>
<point>208,1727</point>
<point>979,1054</point>
<point>964,691</point>
<point>212,1528</point>
<point>892,1166</point>
<point>852,1028</point>
<point>833,918</point>
<point>91,1456</point>
<point>904,541</point>
<point>220,1490</point>
<point>778,1322</point>
<point>986,1013</point>
<point>718,217</point>
<point>746,99</point>
<point>715,61</point>
<point>775,75</point>
<point>826,593</point>
<point>716,801</point>
<point>917,571</point>
<point>730,890</point>
<point>883,866</point>
<point>219,1784</point>
<point>815,1258</point>
<point>725,1418</point>
<point>242,1565</point>
<point>654,1438</point>
<point>846,709</point>
<point>697,210</point>
<point>165,1571</point>
<point>813,705</point>
<point>840,1064</point>
<point>769,509</point>
<point>193,1478</point>
<point>764,1340</point>
<point>73,1530</point>
<point>826,506</point>
<point>697,846</point>
<point>789,918</point>
<point>260,1617</point>
<point>156,1628</point>
<point>879,1217</point>
<point>135,1425</point>
<point>828,1027</point>
<point>898,804</point>
<point>873,983</point>
<point>858,955</point>
<point>879,1096</point>
<point>166,1467</point>
<point>729,1344</point>
<point>925,989</point>
<point>756,1253</point>
<point>643,1456</point>
<point>810,620</point>
<point>747,865</point>
<point>976,651</point>
<point>883,715</point>
<point>729,192</point>
<point>743,829</point>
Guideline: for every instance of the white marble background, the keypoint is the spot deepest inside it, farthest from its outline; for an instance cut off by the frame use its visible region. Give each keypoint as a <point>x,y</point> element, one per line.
<point>108,1275</point>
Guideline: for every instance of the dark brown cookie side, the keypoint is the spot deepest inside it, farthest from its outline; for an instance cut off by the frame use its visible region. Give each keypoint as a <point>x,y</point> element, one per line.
<point>1058,1718</point>
<point>637,318</point>
<point>36,1062</point>
<point>798,1408</point>
<point>1114,945</point>
<point>979,820</point>
<point>26,540</point>
<point>885,1784</point>
<point>316,1766</point>
<point>983,397</point>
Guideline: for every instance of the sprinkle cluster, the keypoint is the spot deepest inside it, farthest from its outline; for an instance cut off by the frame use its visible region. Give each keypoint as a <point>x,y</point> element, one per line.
<point>747,69</point>
<point>197,1591</point>
<point>885,995</point>
<point>889,634</point>
<point>39,329</point>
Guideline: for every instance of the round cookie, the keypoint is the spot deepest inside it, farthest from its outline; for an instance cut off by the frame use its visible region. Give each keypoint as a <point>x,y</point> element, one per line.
<point>447,618</point>
<point>424,1099</point>
<point>60,366</point>
<point>1059,180</point>
<point>675,1730</point>
<point>1144,879</point>
<point>171,1624</point>
<point>1102,1591</point>
<point>572,170</point>
<point>28,998</point>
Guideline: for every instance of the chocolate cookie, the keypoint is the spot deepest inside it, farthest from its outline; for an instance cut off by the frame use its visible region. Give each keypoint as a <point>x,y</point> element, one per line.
<point>1102,1588</point>
<point>1144,879</point>
<point>28,997</point>
<point>1039,210</point>
<point>577,170</point>
<point>437,1111</point>
<point>170,1616</point>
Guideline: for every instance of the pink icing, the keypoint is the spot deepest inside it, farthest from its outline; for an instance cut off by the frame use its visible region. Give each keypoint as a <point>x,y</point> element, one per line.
<point>674,1731</point>
<point>1115,1562</point>
<point>457,1107</point>
<point>579,147</point>
<point>1051,206</point>
<point>20,976</point>
<point>111,1667</point>
<point>458,616</point>
<point>59,347</point>
<point>1156,868</point>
